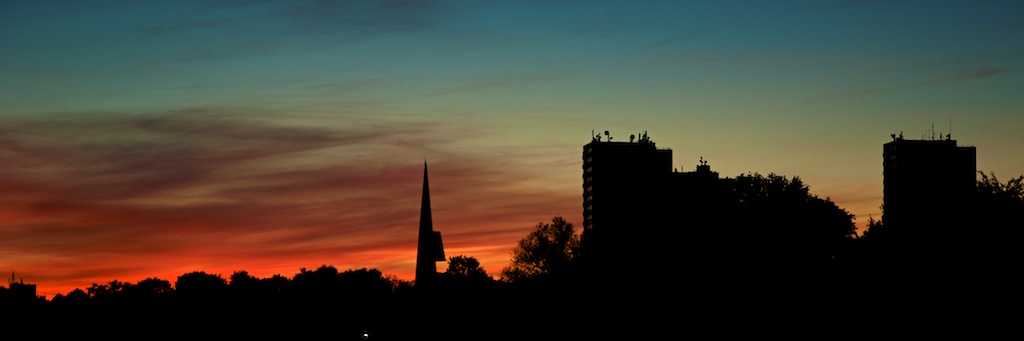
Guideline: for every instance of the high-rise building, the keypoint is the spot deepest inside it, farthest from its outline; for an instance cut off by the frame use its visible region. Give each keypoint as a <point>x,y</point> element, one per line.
<point>633,200</point>
<point>621,179</point>
<point>928,185</point>
<point>430,248</point>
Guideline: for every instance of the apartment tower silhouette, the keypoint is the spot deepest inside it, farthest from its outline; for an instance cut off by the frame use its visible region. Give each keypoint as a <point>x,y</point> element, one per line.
<point>634,202</point>
<point>929,187</point>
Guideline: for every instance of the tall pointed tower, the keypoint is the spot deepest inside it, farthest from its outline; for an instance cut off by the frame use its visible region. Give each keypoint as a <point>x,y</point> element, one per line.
<point>430,249</point>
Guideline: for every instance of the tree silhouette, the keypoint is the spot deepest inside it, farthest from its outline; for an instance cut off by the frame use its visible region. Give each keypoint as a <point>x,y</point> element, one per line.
<point>150,291</point>
<point>200,288</point>
<point>1006,197</point>
<point>465,266</point>
<point>465,276</point>
<point>547,251</point>
<point>107,293</point>
<point>315,286</point>
<point>783,224</point>
<point>242,283</point>
<point>990,243</point>
<point>77,297</point>
<point>874,230</point>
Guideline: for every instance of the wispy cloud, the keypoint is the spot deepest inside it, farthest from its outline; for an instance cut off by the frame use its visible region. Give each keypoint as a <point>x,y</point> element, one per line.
<point>222,189</point>
<point>686,37</point>
<point>969,75</point>
<point>232,29</point>
<point>500,82</point>
<point>363,17</point>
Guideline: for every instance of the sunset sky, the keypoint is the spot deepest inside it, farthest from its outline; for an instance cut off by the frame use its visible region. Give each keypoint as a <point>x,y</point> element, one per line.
<point>154,138</point>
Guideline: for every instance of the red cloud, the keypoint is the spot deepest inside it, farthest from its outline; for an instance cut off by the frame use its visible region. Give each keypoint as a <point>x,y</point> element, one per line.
<point>93,198</point>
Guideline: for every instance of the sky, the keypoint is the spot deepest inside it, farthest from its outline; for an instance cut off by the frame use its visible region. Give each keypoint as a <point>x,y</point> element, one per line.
<point>154,138</point>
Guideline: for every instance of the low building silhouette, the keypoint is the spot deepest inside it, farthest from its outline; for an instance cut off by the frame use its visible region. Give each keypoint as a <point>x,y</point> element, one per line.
<point>19,293</point>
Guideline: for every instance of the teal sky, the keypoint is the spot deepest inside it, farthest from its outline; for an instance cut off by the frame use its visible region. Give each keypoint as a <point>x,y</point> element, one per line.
<point>154,138</point>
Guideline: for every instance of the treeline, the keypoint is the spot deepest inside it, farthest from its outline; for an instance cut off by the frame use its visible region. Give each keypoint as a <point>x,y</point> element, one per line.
<point>324,284</point>
<point>730,247</point>
<point>323,302</point>
<point>968,252</point>
<point>760,243</point>
<point>747,249</point>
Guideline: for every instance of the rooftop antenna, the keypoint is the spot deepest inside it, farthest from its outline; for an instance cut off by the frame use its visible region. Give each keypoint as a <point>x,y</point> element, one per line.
<point>949,135</point>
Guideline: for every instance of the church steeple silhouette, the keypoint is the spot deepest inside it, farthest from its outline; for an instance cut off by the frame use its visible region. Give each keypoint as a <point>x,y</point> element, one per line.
<point>430,249</point>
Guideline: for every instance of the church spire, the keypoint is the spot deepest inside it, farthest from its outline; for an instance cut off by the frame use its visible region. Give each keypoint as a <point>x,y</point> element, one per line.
<point>429,247</point>
<point>426,223</point>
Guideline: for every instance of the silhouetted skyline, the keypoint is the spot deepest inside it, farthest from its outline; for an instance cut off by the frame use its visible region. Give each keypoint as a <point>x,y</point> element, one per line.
<point>142,139</point>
